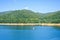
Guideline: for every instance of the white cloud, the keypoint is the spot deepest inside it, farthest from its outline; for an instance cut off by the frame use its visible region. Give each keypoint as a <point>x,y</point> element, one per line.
<point>26,7</point>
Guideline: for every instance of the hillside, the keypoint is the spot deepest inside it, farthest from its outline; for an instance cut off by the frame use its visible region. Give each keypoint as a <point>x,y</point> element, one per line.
<point>19,16</point>
<point>28,16</point>
<point>53,17</point>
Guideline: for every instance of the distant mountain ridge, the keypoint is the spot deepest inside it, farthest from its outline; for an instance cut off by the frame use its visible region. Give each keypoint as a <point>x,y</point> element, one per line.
<point>28,16</point>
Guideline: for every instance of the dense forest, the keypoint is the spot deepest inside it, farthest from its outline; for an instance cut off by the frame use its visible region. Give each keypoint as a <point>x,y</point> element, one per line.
<point>28,16</point>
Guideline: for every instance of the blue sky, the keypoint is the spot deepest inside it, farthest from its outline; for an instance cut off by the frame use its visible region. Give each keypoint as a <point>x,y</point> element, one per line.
<point>35,5</point>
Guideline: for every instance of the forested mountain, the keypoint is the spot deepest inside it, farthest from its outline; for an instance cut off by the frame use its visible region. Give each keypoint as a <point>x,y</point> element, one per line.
<point>20,16</point>
<point>53,17</point>
<point>28,16</point>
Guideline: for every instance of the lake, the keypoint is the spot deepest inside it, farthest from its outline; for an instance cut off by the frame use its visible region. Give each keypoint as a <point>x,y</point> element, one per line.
<point>29,32</point>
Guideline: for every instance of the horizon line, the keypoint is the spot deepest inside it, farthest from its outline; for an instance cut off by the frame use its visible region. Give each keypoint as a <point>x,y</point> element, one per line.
<point>28,9</point>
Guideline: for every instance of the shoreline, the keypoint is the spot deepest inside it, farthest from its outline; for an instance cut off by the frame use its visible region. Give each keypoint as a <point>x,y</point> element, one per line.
<point>40,24</point>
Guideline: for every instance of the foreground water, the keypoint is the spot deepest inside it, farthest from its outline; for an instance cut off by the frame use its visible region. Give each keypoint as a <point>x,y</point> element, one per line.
<point>29,33</point>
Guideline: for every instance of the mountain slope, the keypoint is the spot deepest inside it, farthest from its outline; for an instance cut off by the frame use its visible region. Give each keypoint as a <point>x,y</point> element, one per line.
<point>28,16</point>
<point>20,16</point>
<point>53,17</point>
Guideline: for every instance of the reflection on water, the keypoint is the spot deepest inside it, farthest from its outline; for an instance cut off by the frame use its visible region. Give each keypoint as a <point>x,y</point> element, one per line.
<point>29,33</point>
<point>17,27</point>
<point>56,27</point>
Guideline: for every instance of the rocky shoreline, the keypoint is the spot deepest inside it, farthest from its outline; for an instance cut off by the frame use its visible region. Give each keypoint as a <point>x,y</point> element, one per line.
<point>42,24</point>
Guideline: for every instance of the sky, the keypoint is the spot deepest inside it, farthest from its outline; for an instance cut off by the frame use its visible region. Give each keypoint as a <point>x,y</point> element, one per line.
<point>42,6</point>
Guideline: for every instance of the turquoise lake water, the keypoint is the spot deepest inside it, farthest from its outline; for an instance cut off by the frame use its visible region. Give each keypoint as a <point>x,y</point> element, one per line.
<point>29,32</point>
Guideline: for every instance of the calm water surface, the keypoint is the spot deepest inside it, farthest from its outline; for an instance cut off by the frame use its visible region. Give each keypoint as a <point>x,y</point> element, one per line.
<point>29,33</point>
